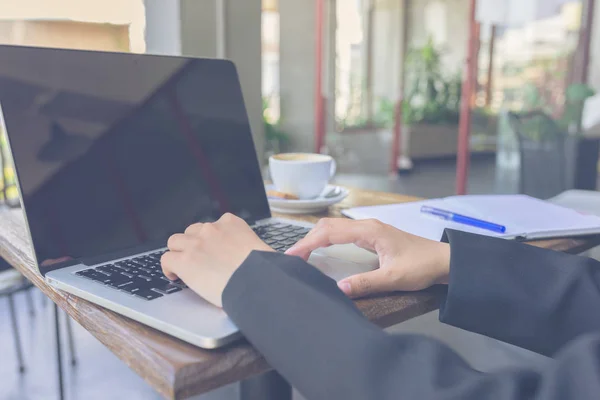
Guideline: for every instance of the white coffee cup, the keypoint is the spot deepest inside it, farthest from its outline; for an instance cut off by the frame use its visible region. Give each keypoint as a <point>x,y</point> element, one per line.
<point>304,175</point>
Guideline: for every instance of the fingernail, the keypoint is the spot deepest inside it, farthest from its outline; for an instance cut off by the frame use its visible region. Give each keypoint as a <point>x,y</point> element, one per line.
<point>344,286</point>
<point>290,250</point>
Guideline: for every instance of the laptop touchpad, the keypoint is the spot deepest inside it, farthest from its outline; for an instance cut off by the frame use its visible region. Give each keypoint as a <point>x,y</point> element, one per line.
<point>339,262</point>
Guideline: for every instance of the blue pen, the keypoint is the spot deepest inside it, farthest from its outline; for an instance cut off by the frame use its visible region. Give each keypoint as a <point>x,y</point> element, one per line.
<point>463,219</point>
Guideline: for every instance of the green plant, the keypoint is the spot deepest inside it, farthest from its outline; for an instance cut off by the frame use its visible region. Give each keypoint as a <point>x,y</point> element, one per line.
<point>431,97</point>
<point>566,115</point>
<point>7,174</point>
<point>575,98</point>
<point>385,114</point>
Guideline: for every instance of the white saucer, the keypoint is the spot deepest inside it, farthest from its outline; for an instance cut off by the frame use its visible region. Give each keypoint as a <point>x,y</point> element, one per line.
<point>306,206</point>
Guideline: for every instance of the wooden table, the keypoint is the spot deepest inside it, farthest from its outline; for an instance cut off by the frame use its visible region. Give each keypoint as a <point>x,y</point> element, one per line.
<point>179,370</point>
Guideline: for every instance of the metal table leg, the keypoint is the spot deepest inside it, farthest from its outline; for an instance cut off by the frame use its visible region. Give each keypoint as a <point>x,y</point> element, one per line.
<point>15,326</point>
<point>61,390</point>
<point>268,386</point>
<point>29,297</point>
<point>71,341</point>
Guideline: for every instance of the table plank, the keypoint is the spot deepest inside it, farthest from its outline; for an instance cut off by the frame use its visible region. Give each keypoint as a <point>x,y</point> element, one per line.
<point>179,370</point>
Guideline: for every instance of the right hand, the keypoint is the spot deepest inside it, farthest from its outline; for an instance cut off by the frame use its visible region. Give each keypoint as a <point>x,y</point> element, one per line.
<point>406,262</point>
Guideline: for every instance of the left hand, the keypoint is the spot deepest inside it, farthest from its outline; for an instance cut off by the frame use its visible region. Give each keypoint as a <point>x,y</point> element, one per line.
<point>406,262</point>
<point>207,255</point>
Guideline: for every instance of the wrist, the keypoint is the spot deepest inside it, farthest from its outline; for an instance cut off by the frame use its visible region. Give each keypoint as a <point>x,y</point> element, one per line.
<point>442,264</point>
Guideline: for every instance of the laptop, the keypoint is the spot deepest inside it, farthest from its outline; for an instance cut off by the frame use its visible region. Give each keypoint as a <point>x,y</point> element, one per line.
<point>116,152</point>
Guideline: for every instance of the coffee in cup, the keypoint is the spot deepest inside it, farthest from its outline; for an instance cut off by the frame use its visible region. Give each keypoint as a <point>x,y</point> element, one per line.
<point>304,175</point>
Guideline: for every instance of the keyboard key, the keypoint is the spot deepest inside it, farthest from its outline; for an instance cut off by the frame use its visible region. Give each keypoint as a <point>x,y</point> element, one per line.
<point>180,283</point>
<point>129,287</point>
<point>147,294</point>
<point>141,276</point>
<point>104,271</point>
<point>93,275</point>
<point>139,263</point>
<point>123,267</point>
<point>114,268</point>
<point>165,287</point>
<point>117,280</point>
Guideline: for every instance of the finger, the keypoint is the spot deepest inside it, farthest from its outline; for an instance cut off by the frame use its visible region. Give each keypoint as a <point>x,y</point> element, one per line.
<point>228,217</point>
<point>337,231</point>
<point>169,262</point>
<point>302,247</point>
<point>366,283</point>
<point>194,229</point>
<point>180,242</point>
<point>228,220</point>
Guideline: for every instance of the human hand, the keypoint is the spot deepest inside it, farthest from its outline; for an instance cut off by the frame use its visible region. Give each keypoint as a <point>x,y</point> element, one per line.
<point>406,262</point>
<point>207,255</point>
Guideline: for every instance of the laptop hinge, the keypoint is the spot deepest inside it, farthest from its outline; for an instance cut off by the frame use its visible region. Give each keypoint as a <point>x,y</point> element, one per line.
<point>64,264</point>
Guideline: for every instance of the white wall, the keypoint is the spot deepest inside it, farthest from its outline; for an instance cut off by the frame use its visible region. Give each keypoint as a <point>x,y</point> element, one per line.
<point>297,72</point>
<point>163,27</point>
<point>387,60</point>
<point>595,52</point>
<point>189,27</point>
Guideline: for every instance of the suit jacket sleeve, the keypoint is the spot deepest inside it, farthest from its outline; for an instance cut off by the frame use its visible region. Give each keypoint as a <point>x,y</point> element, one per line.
<point>319,341</point>
<point>534,298</point>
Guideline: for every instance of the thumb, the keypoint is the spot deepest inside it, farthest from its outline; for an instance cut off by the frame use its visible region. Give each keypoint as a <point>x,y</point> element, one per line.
<point>364,284</point>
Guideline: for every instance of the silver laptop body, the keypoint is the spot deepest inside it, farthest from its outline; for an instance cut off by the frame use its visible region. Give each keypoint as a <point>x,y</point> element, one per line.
<point>114,153</point>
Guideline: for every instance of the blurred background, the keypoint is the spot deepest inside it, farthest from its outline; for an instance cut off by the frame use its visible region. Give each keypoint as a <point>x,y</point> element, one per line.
<point>422,97</point>
<point>378,84</point>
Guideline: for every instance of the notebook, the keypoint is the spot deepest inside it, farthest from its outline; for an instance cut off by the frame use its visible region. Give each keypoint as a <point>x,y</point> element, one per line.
<point>525,218</point>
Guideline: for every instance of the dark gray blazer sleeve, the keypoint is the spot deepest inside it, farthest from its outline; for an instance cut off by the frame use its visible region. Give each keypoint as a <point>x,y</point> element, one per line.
<point>320,342</point>
<point>531,297</point>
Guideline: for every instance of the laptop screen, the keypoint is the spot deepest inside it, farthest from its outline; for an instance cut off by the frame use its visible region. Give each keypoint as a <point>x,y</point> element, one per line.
<point>114,150</point>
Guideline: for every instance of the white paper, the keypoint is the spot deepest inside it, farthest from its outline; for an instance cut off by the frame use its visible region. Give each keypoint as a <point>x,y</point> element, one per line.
<point>522,216</point>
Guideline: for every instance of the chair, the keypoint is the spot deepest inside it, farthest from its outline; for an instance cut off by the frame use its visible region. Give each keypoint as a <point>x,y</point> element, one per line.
<point>543,152</point>
<point>11,283</point>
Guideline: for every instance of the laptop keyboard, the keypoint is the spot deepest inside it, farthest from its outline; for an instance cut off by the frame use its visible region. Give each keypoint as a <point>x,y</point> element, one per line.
<point>280,236</point>
<point>142,276</point>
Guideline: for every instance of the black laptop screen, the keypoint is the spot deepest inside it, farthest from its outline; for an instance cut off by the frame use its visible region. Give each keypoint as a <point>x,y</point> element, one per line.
<point>113,150</point>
